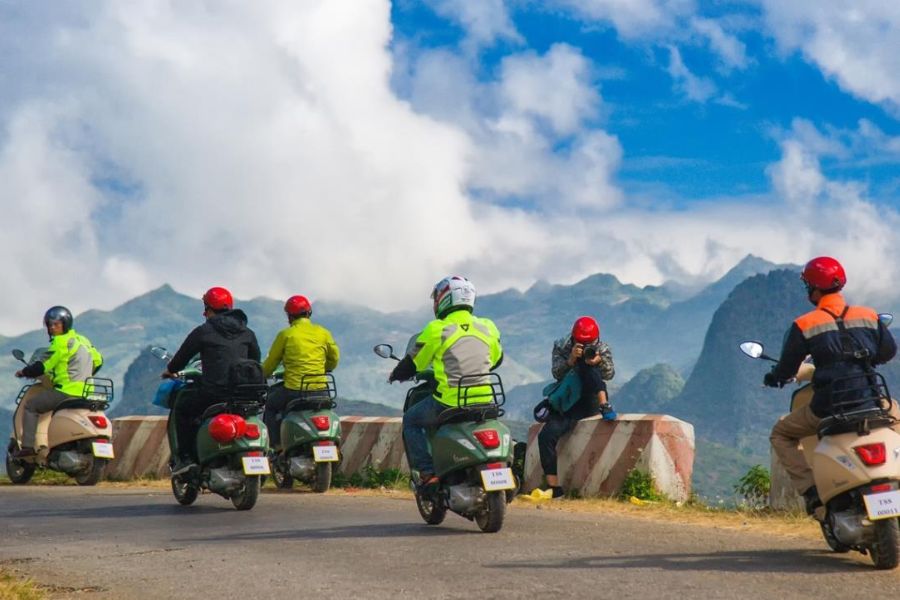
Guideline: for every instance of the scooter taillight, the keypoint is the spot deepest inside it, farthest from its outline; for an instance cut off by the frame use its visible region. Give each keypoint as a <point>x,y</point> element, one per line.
<point>322,422</point>
<point>99,421</point>
<point>872,454</point>
<point>252,431</point>
<point>488,438</point>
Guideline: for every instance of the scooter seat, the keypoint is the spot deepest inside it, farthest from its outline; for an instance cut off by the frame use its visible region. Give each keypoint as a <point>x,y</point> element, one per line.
<point>470,414</point>
<point>298,404</point>
<point>861,422</point>
<point>74,402</point>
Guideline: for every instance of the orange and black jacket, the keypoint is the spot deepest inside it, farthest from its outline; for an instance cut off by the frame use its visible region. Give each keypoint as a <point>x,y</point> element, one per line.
<point>864,343</point>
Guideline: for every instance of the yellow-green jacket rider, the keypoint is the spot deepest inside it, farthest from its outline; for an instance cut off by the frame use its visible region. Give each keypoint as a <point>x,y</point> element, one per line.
<point>69,361</point>
<point>304,348</point>
<point>456,344</point>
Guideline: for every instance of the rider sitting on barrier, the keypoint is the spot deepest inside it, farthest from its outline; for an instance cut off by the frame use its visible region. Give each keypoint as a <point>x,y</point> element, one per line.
<point>221,341</point>
<point>456,344</point>
<point>843,341</point>
<point>305,349</point>
<point>69,361</point>
<point>592,362</point>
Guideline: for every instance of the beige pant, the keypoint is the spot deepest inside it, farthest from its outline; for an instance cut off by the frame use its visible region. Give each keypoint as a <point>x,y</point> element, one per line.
<point>786,436</point>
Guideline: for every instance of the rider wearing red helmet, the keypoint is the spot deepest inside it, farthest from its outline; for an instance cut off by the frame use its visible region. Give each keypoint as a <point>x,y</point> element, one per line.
<point>843,341</point>
<point>304,348</point>
<point>221,341</point>
<point>592,360</point>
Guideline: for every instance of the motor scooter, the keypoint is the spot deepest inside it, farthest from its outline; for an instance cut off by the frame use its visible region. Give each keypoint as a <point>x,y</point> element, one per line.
<point>231,445</point>
<point>471,448</point>
<point>75,438</point>
<point>855,458</point>
<point>310,435</point>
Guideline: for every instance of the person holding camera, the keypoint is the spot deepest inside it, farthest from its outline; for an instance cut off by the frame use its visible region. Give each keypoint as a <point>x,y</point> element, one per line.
<point>591,359</point>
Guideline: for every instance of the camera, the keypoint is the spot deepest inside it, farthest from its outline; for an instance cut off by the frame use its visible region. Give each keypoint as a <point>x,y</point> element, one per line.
<point>589,352</point>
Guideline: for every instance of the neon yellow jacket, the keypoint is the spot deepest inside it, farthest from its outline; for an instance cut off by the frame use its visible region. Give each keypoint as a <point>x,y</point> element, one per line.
<point>304,348</point>
<point>459,344</point>
<point>70,359</point>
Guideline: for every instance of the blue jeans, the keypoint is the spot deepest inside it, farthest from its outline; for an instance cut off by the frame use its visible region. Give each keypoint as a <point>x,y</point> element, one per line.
<point>422,415</point>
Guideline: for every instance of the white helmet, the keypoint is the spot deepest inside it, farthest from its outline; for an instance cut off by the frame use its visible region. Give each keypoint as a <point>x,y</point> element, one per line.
<point>451,293</point>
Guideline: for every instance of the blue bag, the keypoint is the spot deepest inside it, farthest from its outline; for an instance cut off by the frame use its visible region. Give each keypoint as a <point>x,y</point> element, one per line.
<point>166,391</point>
<point>563,394</point>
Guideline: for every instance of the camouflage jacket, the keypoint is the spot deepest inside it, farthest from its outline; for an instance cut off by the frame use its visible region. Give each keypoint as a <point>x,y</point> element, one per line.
<point>562,348</point>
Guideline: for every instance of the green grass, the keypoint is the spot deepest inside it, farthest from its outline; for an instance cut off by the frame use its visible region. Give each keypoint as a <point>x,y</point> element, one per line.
<point>13,588</point>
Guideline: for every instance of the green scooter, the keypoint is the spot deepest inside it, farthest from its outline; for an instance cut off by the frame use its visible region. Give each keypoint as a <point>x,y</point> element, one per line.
<point>472,452</point>
<point>310,435</point>
<point>232,443</point>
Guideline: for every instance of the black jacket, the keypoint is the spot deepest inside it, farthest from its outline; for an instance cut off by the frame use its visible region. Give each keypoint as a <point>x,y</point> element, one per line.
<point>864,343</point>
<point>222,340</point>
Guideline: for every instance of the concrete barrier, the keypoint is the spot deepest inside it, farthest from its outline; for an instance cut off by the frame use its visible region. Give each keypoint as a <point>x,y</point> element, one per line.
<point>782,495</point>
<point>597,455</point>
<point>594,458</point>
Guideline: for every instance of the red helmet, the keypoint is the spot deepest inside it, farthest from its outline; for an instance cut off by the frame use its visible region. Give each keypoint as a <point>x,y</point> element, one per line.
<point>218,298</point>
<point>585,330</point>
<point>298,306</point>
<point>824,273</point>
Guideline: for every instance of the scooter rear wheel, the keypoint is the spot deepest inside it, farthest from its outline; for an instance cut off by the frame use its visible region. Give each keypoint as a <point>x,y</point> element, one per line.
<point>431,509</point>
<point>92,474</point>
<point>323,478</point>
<point>18,472</point>
<point>490,519</point>
<point>185,492</point>
<point>886,549</point>
<point>246,498</point>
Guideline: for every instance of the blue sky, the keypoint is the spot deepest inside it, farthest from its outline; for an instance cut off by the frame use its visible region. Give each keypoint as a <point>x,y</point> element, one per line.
<point>682,150</point>
<point>360,150</point>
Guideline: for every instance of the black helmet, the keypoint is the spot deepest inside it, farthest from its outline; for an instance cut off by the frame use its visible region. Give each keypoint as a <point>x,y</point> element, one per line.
<point>59,313</point>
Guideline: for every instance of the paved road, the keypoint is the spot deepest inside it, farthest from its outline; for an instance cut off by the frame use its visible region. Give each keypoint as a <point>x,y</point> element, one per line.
<point>114,543</point>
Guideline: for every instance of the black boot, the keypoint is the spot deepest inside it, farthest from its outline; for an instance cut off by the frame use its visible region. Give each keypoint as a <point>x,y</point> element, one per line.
<point>811,497</point>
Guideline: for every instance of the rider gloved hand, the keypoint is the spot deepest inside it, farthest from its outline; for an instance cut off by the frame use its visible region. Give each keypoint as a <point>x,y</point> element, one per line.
<point>771,381</point>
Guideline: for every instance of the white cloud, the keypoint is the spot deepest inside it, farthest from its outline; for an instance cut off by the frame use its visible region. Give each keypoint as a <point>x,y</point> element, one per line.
<point>631,18</point>
<point>693,87</point>
<point>485,21</point>
<point>856,42</point>
<point>729,48</point>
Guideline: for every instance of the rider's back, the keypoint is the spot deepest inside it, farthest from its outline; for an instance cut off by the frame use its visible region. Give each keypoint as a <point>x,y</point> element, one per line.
<point>304,348</point>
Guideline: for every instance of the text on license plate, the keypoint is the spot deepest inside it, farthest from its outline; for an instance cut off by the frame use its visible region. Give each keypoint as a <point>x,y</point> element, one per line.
<point>255,465</point>
<point>325,453</point>
<point>497,479</point>
<point>102,449</point>
<point>883,505</point>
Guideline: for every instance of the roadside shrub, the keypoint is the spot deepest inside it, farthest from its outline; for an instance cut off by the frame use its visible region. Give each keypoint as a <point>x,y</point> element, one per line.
<point>640,485</point>
<point>754,486</point>
<point>371,477</point>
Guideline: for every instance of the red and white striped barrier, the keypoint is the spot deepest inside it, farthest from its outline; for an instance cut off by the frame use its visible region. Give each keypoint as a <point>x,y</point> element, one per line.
<point>597,455</point>
<point>141,449</point>
<point>375,441</point>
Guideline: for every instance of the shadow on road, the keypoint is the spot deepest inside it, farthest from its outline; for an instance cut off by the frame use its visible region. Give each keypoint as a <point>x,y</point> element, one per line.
<point>742,561</point>
<point>381,530</point>
<point>124,511</point>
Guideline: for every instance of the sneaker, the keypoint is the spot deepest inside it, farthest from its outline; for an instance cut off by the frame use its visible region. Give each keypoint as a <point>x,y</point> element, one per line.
<point>557,492</point>
<point>608,412</point>
<point>813,502</point>
<point>428,480</point>
<point>24,452</point>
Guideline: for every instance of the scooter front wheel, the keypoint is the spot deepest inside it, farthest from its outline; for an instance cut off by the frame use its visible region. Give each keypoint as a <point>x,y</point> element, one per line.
<point>184,491</point>
<point>431,508</point>
<point>17,471</point>
<point>490,519</point>
<point>886,549</point>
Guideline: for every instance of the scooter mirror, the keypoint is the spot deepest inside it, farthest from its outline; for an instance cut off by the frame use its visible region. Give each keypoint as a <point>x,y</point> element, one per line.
<point>19,355</point>
<point>886,319</point>
<point>384,351</point>
<point>160,352</point>
<point>752,349</point>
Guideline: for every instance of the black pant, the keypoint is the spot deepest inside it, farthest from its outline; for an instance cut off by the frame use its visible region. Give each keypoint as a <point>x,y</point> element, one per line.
<point>188,408</point>
<point>276,401</point>
<point>555,427</point>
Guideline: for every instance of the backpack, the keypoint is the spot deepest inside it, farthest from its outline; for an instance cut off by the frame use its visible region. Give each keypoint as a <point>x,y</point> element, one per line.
<point>563,394</point>
<point>245,372</point>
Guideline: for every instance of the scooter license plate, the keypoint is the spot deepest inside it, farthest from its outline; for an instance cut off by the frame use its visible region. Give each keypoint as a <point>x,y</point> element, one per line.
<point>102,449</point>
<point>883,505</point>
<point>255,465</point>
<point>325,453</point>
<point>495,480</point>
